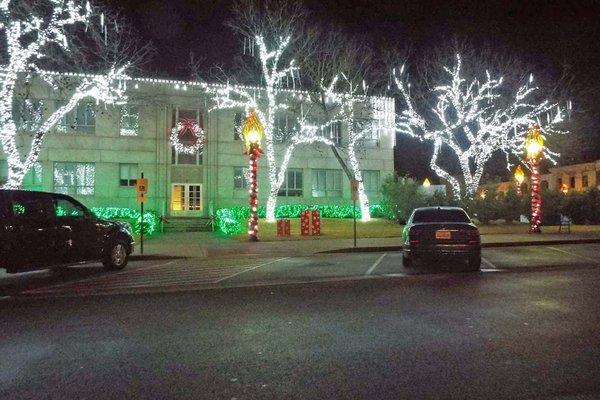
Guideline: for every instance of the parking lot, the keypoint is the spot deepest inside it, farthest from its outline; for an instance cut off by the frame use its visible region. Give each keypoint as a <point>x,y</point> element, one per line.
<point>164,274</point>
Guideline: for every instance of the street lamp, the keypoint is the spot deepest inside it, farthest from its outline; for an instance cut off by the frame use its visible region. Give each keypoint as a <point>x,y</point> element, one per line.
<point>252,131</point>
<point>520,178</point>
<point>534,144</point>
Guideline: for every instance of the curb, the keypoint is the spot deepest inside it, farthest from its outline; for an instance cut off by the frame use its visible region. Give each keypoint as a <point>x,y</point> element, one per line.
<point>381,249</point>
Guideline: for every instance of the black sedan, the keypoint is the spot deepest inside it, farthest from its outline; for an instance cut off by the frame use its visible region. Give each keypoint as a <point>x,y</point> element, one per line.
<point>441,233</point>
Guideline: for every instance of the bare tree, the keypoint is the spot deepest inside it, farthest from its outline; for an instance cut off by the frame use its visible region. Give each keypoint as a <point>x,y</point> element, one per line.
<point>71,46</point>
<point>474,119</point>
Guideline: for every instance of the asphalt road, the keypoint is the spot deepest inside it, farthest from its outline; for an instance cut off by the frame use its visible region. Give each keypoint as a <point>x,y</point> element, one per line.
<point>526,331</point>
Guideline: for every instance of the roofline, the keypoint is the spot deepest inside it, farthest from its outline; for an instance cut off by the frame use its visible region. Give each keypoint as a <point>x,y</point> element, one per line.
<point>194,83</point>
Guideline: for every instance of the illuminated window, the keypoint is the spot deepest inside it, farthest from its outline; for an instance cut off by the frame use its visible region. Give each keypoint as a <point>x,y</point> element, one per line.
<point>128,174</point>
<point>74,178</point>
<point>130,121</point>
<point>326,183</point>
<point>292,186</point>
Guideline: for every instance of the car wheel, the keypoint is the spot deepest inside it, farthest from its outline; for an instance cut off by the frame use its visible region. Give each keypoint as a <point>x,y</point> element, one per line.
<point>406,262</point>
<point>474,264</point>
<point>116,256</point>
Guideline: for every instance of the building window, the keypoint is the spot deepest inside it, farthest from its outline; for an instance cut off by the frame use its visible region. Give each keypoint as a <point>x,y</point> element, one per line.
<point>371,137</point>
<point>333,132</point>
<point>572,182</point>
<point>74,178</point>
<point>284,128</point>
<point>240,177</point>
<point>130,121</point>
<point>544,186</point>
<point>28,114</point>
<point>128,174</point>
<point>81,119</point>
<point>584,181</point>
<point>187,138</point>
<point>238,122</point>
<point>371,181</point>
<point>326,183</point>
<point>292,185</point>
<point>559,183</point>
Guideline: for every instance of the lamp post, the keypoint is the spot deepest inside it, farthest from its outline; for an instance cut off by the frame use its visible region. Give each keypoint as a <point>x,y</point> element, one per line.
<point>534,144</point>
<point>519,178</point>
<point>252,131</point>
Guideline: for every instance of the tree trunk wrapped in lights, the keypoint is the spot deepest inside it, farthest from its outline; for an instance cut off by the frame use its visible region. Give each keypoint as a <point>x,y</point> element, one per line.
<point>473,120</point>
<point>45,34</point>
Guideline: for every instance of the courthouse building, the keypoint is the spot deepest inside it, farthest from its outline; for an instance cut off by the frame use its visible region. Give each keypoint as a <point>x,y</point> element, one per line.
<point>97,152</point>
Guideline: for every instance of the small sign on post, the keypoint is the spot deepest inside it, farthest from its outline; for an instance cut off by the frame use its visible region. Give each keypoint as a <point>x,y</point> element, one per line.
<point>141,187</point>
<point>354,190</point>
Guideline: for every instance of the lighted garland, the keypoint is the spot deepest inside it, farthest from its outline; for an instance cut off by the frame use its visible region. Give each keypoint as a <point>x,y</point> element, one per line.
<point>191,126</point>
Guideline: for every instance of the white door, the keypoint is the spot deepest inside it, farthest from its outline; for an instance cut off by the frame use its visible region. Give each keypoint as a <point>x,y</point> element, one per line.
<point>186,198</point>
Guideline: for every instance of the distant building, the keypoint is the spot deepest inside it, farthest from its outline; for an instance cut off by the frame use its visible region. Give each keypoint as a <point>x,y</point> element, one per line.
<point>576,177</point>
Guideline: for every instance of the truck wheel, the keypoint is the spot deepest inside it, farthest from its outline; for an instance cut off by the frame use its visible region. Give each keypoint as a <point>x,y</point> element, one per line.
<point>116,256</point>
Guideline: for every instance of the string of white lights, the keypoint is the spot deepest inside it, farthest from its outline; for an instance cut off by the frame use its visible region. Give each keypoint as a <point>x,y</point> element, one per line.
<point>474,110</point>
<point>26,42</point>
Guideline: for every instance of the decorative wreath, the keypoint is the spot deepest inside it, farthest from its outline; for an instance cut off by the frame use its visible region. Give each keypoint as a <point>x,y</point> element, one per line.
<point>183,126</point>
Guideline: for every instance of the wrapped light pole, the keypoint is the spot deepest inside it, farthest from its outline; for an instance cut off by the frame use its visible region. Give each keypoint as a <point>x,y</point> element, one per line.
<point>519,178</point>
<point>534,144</point>
<point>252,131</point>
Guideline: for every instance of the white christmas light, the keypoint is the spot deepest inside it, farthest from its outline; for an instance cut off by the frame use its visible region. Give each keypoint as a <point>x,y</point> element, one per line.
<point>26,40</point>
<point>196,131</point>
<point>475,112</point>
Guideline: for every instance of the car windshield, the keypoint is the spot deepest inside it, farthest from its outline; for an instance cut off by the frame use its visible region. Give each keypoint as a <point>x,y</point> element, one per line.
<point>440,215</point>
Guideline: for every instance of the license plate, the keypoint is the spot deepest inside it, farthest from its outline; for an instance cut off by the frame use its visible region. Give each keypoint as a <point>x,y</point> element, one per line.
<point>442,234</point>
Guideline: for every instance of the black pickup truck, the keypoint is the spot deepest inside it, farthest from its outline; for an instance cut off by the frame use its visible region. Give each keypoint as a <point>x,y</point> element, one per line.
<point>43,230</point>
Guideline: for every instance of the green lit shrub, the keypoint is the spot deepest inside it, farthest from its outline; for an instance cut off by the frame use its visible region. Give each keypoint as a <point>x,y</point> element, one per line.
<point>152,221</point>
<point>232,220</point>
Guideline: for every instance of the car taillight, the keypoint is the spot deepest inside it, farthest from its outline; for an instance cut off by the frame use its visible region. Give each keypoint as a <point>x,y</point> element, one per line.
<point>473,237</point>
<point>414,236</point>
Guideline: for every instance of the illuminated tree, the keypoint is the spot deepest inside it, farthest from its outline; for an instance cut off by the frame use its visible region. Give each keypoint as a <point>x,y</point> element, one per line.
<point>474,120</point>
<point>62,35</point>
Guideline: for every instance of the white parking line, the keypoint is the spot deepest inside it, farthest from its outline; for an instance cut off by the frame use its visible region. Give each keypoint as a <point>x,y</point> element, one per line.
<point>573,254</point>
<point>375,264</point>
<point>251,269</point>
<point>491,266</point>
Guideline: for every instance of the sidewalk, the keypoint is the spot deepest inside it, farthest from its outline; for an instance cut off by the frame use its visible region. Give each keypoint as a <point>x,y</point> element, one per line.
<point>209,245</point>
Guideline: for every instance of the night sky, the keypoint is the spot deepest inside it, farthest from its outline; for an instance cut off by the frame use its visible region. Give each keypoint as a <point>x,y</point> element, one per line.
<point>545,34</point>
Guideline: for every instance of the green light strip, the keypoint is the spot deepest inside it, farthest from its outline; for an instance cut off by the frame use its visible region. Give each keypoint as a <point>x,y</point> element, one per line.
<point>230,221</point>
<point>133,217</point>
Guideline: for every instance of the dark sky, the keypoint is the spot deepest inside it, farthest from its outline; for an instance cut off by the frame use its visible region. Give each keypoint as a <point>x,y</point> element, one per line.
<point>545,34</point>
